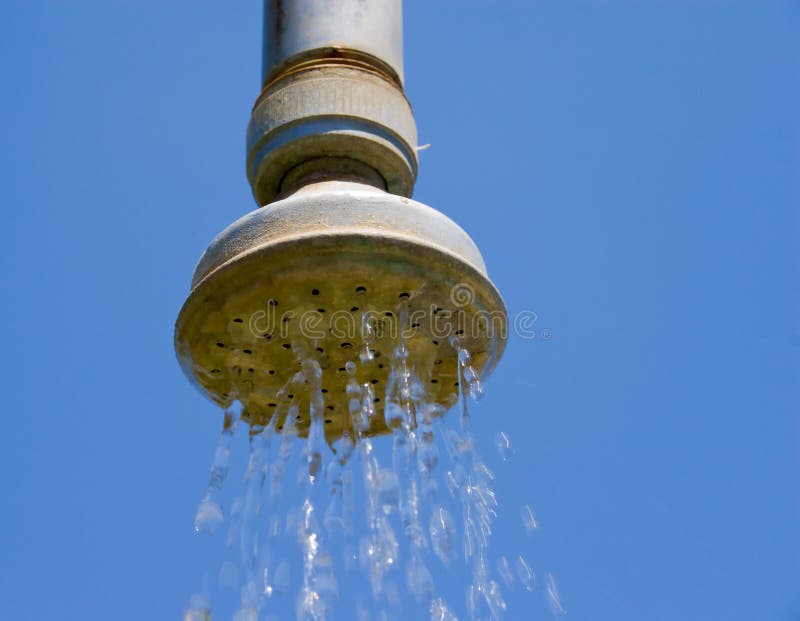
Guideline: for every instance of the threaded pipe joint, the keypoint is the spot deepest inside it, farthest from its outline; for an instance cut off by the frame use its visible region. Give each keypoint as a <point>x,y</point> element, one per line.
<point>335,113</point>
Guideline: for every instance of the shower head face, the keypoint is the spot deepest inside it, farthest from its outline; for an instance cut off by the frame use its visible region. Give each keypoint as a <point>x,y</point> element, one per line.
<point>344,274</point>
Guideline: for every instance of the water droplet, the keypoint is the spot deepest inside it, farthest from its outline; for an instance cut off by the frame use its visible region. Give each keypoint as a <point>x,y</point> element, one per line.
<point>553,597</point>
<point>350,557</point>
<point>388,490</point>
<point>394,414</point>
<point>494,600</point>
<point>378,553</point>
<point>324,577</point>
<point>529,519</point>
<point>525,574</point>
<point>343,448</point>
<point>268,586</point>
<point>310,606</point>
<point>427,451</point>
<point>440,612</point>
<point>504,569</point>
<point>443,533</point>
<point>472,601</point>
<point>274,527</point>
<point>334,518</point>
<point>455,479</point>
<point>209,516</point>
<point>503,446</point>
<point>460,444</point>
<point>316,446</point>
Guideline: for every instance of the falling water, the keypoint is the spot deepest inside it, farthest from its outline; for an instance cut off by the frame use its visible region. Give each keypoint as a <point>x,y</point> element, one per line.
<point>393,524</point>
<point>209,513</point>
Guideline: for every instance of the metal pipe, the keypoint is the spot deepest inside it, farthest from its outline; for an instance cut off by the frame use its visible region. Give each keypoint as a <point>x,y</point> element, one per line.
<point>332,104</point>
<point>300,30</point>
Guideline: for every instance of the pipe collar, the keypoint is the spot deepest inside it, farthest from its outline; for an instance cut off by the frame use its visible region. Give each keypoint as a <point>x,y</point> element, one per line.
<point>336,113</point>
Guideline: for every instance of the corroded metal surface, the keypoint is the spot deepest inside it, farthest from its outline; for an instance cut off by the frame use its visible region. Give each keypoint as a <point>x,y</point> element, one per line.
<point>305,276</point>
<point>331,112</point>
<point>332,93</point>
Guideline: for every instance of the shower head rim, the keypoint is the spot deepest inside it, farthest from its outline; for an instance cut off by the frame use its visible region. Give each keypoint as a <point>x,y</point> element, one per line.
<point>486,294</point>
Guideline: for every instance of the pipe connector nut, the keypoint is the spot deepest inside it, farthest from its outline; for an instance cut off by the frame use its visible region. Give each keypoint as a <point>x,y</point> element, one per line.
<point>331,113</point>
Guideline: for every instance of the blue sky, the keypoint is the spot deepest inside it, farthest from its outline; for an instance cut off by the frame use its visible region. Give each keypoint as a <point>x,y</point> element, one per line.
<point>630,172</point>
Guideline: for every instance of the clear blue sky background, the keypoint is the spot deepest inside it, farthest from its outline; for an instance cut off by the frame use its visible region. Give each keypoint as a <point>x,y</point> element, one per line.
<point>629,169</point>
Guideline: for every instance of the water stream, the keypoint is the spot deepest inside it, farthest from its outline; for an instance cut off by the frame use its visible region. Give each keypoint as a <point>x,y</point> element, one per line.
<point>364,528</point>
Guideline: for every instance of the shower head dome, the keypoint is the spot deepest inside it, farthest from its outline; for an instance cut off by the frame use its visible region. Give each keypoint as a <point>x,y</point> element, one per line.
<point>342,273</point>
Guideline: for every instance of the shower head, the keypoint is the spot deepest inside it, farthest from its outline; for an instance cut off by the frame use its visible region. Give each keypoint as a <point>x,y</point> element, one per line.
<point>340,267</point>
<point>339,272</point>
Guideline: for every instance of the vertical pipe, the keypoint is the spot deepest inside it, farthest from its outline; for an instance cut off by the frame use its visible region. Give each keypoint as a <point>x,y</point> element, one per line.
<point>332,103</point>
<point>300,30</point>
